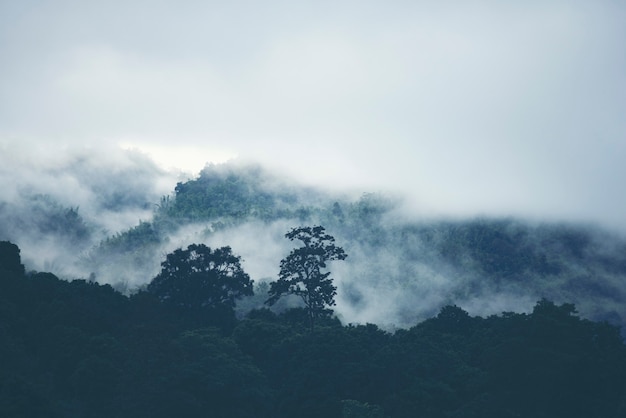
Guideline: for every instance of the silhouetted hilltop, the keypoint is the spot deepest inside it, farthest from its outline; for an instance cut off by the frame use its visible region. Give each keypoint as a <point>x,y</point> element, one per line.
<point>82,349</point>
<point>402,268</point>
<point>483,264</point>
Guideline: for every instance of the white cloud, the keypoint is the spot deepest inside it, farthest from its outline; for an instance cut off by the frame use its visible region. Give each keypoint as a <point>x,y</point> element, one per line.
<point>468,106</point>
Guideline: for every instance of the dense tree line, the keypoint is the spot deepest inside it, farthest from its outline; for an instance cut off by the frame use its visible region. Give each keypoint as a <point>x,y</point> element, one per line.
<point>83,350</point>
<point>479,258</point>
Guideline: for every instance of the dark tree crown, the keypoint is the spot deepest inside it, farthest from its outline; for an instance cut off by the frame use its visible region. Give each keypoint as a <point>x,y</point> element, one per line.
<point>199,277</point>
<point>301,271</point>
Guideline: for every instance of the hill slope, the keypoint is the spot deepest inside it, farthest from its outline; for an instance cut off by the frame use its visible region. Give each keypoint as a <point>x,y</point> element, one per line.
<point>399,269</point>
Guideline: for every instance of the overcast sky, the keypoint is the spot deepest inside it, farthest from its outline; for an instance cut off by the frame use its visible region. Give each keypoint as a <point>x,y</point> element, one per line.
<point>467,107</point>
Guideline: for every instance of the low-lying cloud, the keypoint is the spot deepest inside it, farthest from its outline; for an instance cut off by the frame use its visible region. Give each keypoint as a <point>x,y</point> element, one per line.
<point>68,213</point>
<point>89,192</point>
<point>466,107</point>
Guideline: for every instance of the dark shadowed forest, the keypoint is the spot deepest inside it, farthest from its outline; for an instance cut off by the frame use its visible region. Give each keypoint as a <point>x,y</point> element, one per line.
<point>208,306</point>
<point>82,349</point>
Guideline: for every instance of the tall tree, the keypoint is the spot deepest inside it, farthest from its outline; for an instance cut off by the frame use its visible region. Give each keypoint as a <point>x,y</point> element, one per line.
<point>301,271</point>
<point>199,277</point>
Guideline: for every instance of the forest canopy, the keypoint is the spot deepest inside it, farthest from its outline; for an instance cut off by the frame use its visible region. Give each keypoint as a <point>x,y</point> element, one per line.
<point>82,349</point>
<point>429,318</point>
<point>395,257</point>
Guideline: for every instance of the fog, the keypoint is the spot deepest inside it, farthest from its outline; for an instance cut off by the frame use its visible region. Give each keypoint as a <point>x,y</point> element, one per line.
<point>69,209</point>
<point>479,107</point>
<point>108,188</point>
<point>461,109</point>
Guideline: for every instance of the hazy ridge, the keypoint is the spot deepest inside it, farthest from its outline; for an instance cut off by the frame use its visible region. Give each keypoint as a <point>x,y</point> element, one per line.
<point>400,269</point>
<point>397,348</point>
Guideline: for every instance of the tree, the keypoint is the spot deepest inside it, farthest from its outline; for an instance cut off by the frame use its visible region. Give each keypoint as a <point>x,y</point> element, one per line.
<point>199,277</point>
<point>10,259</point>
<point>301,272</point>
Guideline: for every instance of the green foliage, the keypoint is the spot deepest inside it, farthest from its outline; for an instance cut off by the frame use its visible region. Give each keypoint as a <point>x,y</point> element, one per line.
<point>209,376</point>
<point>199,277</point>
<point>50,218</point>
<point>18,399</point>
<point>228,192</point>
<point>81,349</point>
<point>301,271</point>
<point>123,254</point>
<point>41,219</point>
<point>356,409</point>
<point>136,237</point>
<point>475,257</point>
<point>10,260</point>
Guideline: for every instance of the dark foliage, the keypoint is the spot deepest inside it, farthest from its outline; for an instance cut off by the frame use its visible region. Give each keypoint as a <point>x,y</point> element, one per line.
<point>10,260</point>
<point>83,350</point>
<point>478,258</point>
<point>301,272</point>
<point>234,193</point>
<point>201,278</point>
<point>41,215</point>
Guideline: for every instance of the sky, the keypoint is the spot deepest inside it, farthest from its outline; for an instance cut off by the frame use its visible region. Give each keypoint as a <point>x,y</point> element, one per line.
<point>465,107</point>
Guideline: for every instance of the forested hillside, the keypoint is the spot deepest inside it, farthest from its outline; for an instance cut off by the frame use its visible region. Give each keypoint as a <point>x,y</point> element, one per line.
<point>82,349</point>
<point>401,268</point>
<point>480,317</point>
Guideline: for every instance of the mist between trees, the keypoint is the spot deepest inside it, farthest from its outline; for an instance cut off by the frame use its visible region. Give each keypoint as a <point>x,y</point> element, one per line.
<point>100,341</point>
<point>82,349</point>
<point>401,269</point>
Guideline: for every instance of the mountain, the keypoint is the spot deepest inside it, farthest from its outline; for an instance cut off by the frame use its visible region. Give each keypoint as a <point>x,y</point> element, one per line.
<point>400,268</point>
<point>80,349</point>
<point>424,322</point>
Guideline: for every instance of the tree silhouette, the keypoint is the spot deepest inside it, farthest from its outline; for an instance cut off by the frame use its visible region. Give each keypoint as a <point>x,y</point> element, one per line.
<point>199,277</point>
<point>301,272</point>
<point>10,259</point>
